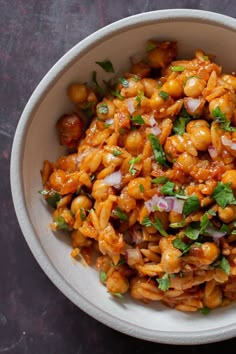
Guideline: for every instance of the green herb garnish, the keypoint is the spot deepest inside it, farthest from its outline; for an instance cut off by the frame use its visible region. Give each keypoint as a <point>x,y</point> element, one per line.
<point>124,82</point>
<point>102,276</point>
<point>139,98</point>
<point>180,124</point>
<point>150,46</point>
<point>119,213</point>
<point>116,152</point>
<point>157,224</point>
<point>103,108</point>
<point>106,65</point>
<point>164,95</point>
<point>204,310</point>
<point>117,94</point>
<point>158,151</point>
<point>82,214</point>
<point>61,223</point>
<point>168,188</point>
<point>137,119</point>
<point>164,282</point>
<point>191,233</point>
<point>52,197</point>
<point>177,68</point>
<point>132,162</point>
<point>223,194</point>
<point>224,265</point>
<point>119,295</point>
<point>191,204</point>
<point>159,180</point>
<point>220,117</point>
<point>141,188</point>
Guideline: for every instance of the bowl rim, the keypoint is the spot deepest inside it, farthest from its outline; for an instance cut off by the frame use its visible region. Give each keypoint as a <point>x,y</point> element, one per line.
<point>16,177</point>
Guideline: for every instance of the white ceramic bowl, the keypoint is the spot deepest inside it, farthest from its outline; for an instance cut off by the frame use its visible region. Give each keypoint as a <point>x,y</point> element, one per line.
<point>36,140</point>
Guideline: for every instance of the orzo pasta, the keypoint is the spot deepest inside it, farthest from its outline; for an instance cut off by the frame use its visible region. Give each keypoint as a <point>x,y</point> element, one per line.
<point>150,183</point>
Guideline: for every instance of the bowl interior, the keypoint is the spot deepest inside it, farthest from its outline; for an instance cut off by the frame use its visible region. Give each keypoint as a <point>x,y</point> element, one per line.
<point>36,140</point>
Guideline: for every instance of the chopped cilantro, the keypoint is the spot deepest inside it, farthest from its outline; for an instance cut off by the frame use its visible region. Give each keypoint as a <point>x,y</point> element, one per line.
<point>139,98</point>
<point>157,224</point>
<point>177,68</point>
<point>103,108</point>
<point>224,265</point>
<point>206,57</point>
<point>180,245</point>
<point>141,188</point>
<point>98,88</point>
<point>102,276</point>
<point>124,82</point>
<point>191,233</point>
<point>106,65</point>
<point>116,152</point>
<point>61,223</point>
<point>180,124</point>
<point>164,95</point>
<point>119,213</point>
<point>191,204</point>
<point>117,94</point>
<point>159,180</point>
<point>137,119</point>
<point>82,214</point>
<point>132,162</point>
<point>51,197</point>
<point>225,228</point>
<point>220,117</point>
<point>119,295</point>
<point>164,282</point>
<point>223,194</point>
<point>204,310</point>
<point>158,151</point>
<point>151,46</point>
<point>176,225</point>
<point>168,188</point>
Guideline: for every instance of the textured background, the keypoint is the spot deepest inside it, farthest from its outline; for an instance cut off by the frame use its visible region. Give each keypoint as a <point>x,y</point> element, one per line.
<point>35,318</point>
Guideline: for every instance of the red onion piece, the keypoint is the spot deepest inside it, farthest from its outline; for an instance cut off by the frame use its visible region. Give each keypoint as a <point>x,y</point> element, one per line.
<point>165,203</point>
<point>133,256</point>
<point>192,104</point>
<point>215,233</point>
<point>130,104</point>
<point>226,142</point>
<point>155,130</point>
<point>152,121</point>
<point>212,151</point>
<point>114,179</point>
<point>110,121</point>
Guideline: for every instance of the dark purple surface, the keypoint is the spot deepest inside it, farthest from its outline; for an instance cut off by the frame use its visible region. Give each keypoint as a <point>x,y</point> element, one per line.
<point>35,318</point>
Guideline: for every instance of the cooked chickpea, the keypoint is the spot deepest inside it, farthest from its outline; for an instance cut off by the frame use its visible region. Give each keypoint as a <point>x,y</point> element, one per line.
<point>80,202</point>
<point>211,252</point>
<point>138,186</point>
<point>230,177</point>
<point>79,240</point>
<point>175,217</point>
<point>186,162</point>
<point>224,103</point>
<point>77,92</point>
<point>141,69</point>
<point>200,134</point>
<point>70,130</point>
<point>57,180</point>
<point>105,109</point>
<point>156,101</point>
<point>228,214</point>
<point>230,79</point>
<point>173,87</point>
<point>134,142</point>
<point>162,54</point>
<point>194,86</point>
<point>150,86</point>
<point>214,299</point>
<point>171,260</point>
<point>101,190</point>
<point>117,283</point>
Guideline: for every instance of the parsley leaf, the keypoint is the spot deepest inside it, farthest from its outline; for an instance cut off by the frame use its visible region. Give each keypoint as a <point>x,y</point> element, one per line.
<point>124,82</point>
<point>139,98</point>
<point>191,204</point>
<point>180,124</point>
<point>157,224</point>
<point>117,94</point>
<point>98,88</point>
<point>137,119</point>
<point>177,68</point>
<point>223,194</point>
<point>132,162</point>
<point>180,245</point>
<point>102,276</point>
<point>119,295</point>
<point>204,310</point>
<point>158,151</point>
<point>103,108</point>
<point>151,46</point>
<point>51,197</point>
<point>191,233</point>
<point>116,152</point>
<point>164,282</point>
<point>106,65</point>
<point>159,180</point>
<point>61,223</point>
<point>141,188</point>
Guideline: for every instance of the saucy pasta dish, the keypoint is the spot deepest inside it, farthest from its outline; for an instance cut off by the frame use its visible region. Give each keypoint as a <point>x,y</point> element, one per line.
<point>148,182</point>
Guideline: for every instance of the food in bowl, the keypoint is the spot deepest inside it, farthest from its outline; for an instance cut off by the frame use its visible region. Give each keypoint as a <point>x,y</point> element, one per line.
<point>149,186</point>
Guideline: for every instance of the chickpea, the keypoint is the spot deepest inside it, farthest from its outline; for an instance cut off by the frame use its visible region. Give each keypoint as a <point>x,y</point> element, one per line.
<point>117,283</point>
<point>200,134</point>
<point>57,180</point>
<point>174,217</point>
<point>134,142</point>
<point>79,240</point>
<point>171,261</point>
<point>162,55</point>
<point>70,129</point>
<point>225,103</point>
<point>214,299</point>
<point>80,202</point>
<point>105,109</point>
<point>141,69</point>
<point>194,86</point>
<point>108,159</point>
<point>101,190</point>
<point>67,163</point>
<point>150,86</point>
<point>134,189</point>
<point>228,214</point>
<point>187,161</point>
<point>174,145</point>
<point>230,177</point>
<point>230,79</point>
<point>173,87</point>
<point>125,202</point>
<point>77,92</point>
<point>210,251</point>
<point>156,101</point>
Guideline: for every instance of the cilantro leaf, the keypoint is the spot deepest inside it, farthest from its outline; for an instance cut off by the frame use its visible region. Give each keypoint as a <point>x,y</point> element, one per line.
<point>164,282</point>
<point>157,224</point>
<point>191,204</point>
<point>204,310</point>
<point>51,197</point>
<point>139,98</point>
<point>141,188</point>
<point>224,265</point>
<point>159,180</point>
<point>180,245</point>
<point>158,151</point>
<point>223,194</point>
<point>220,117</point>
<point>106,65</point>
<point>168,188</point>
<point>61,223</point>
<point>132,162</point>
<point>191,233</point>
<point>177,68</point>
<point>137,119</point>
<point>119,213</point>
<point>102,276</point>
<point>103,108</point>
<point>124,82</point>
<point>180,124</point>
<point>116,152</point>
<point>164,95</point>
<point>119,295</point>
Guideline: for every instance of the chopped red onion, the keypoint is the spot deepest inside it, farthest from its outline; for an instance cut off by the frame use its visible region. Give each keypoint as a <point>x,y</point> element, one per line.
<point>82,155</point>
<point>110,121</point>
<point>130,104</point>
<point>155,130</point>
<point>114,179</point>
<point>152,121</point>
<point>165,203</point>
<point>133,256</point>
<point>215,233</point>
<point>192,104</point>
<point>212,151</point>
<point>226,142</point>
